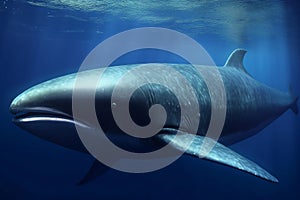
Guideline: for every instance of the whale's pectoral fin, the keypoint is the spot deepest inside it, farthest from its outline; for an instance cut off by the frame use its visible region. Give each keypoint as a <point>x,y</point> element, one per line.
<point>218,153</point>
<point>95,170</point>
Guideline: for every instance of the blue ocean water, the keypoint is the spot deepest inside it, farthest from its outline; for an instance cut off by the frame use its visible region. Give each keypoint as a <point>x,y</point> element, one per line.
<point>43,39</point>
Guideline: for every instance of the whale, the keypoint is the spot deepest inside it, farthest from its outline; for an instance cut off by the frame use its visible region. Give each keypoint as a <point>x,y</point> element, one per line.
<point>45,110</point>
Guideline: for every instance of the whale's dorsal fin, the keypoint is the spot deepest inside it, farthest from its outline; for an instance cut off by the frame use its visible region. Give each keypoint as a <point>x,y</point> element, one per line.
<point>236,60</point>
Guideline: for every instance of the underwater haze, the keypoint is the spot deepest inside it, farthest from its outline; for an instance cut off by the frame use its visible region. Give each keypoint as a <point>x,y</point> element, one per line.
<point>44,39</point>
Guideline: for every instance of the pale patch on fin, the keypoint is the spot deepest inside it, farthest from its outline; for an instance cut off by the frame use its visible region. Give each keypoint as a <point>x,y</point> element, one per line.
<point>95,170</point>
<point>219,153</point>
<point>235,60</point>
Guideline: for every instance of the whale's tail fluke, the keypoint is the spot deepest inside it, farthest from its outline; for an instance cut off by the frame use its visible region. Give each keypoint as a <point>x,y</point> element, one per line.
<point>294,105</point>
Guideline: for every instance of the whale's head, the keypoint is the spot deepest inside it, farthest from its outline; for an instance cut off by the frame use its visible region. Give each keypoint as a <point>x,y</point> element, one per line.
<point>46,110</point>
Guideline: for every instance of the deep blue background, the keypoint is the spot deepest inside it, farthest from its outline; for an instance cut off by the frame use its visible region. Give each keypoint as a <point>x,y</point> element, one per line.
<point>35,47</point>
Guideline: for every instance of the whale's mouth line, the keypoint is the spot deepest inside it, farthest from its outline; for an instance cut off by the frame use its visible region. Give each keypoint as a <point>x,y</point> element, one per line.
<point>35,114</point>
<point>28,115</point>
